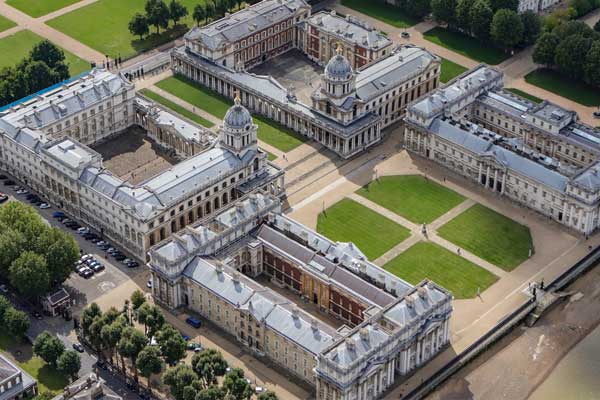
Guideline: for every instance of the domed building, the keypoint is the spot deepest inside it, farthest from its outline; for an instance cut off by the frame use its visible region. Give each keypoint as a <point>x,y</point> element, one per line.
<point>238,132</point>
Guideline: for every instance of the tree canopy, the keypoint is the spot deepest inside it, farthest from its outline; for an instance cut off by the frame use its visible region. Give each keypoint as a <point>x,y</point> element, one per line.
<point>48,347</point>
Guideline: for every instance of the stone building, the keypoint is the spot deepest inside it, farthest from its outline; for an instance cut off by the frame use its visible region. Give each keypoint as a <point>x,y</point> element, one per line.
<point>349,108</point>
<point>136,216</point>
<point>538,155</point>
<point>14,382</point>
<point>388,326</point>
<point>361,44</point>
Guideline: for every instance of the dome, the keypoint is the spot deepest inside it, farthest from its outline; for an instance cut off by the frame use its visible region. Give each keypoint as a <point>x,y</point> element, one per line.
<point>338,68</point>
<point>238,116</point>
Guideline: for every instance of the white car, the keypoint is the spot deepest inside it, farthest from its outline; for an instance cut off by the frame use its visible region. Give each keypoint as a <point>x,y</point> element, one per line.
<point>259,390</point>
<point>86,257</point>
<point>22,191</point>
<point>44,206</point>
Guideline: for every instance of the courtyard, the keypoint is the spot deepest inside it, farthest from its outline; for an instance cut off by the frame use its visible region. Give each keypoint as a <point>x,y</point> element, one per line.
<point>133,157</point>
<point>293,69</point>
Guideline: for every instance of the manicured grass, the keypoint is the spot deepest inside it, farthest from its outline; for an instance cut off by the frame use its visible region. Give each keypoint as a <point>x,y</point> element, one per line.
<point>49,379</point>
<point>15,47</point>
<point>428,260</point>
<point>177,108</point>
<point>37,8</point>
<point>103,25</point>
<point>526,95</point>
<point>466,45</point>
<point>489,235</point>
<point>563,86</point>
<point>271,156</point>
<point>349,221</point>
<point>450,70</point>
<point>6,23</point>
<point>268,131</point>
<point>412,196</point>
<point>382,11</point>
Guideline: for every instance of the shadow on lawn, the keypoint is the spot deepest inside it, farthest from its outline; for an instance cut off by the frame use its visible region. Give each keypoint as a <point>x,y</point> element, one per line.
<point>156,39</point>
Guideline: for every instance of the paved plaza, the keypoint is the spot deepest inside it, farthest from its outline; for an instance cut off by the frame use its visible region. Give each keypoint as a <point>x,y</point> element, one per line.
<point>132,156</point>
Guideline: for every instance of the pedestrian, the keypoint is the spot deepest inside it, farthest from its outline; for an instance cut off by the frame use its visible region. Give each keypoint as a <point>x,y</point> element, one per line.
<point>458,251</point>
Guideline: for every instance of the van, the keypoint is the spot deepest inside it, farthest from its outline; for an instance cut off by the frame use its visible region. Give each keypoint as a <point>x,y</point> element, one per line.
<point>193,322</point>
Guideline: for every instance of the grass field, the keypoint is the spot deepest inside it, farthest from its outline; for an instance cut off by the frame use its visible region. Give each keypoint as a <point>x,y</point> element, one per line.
<point>349,221</point>
<point>103,26</point>
<point>177,108</point>
<point>412,196</point>
<point>268,131</point>
<point>489,235</point>
<point>37,8</point>
<point>428,260</point>
<point>382,11</point>
<point>15,47</point>
<point>450,70</point>
<point>271,156</point>
<point>466,45</point>
<point>526,95</point>
<point>48,378</point>
<point>555,82</point>
<point>6,23</point>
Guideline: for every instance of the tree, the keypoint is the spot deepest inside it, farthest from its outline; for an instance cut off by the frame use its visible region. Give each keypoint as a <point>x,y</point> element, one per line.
<point>12,244</point>
<point>177,378</point>
<point>507,28</point>
<point>171,343</point>
<point>597,26</point>
<point>463,15</point>
<point>157,13</point>
<point>572,28</point>
<point>139,26</point>
<point>39,76</point>
<point>48,347</point>
<point>581,7</point>
<point>570,53</point>
<point>47,52</point>
<point>211,393</point>
<point>512,5</point>
<point>545,49</point>
<point>268,395</point>
<point>199,13</point>
<point>532,26</point>
<point>88,316</point>
<point>236,384</point>
<point>416,8</point>
<point>209,11</point>
<point>444,11</point>
<point>149,362</point>
<point>60,256</point>
<point>208,365</point>
<point>16,322</point>
<point>177,11</point>
<point>29,275</point>
<point>591,67</point>
<point>137,299</point>
<point>132,342</point>
<point>111,334</point>
<point>151,317</point>
<point>69,363</point>
<point>4,306</point>
<point>481,18</point>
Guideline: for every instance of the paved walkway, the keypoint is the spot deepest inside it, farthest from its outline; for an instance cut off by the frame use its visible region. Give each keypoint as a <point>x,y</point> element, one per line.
<point>38,26</point>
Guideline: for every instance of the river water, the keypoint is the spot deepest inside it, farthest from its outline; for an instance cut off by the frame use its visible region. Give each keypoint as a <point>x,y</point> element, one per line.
<point>577,376</point>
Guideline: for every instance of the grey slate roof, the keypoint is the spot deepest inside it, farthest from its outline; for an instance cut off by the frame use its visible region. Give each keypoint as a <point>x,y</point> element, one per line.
<point>589,178</point>
<point>350,29</point>
<point>403,313</point>
<point>356,346</point>
<point>245,22</point>
<point>8,369</point>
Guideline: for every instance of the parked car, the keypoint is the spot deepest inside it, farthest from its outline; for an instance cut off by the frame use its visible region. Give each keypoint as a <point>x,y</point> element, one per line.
<point>44,206</point>
<point>149,284</point>
<point>3,197</point>
<point>86,257</point>
<point>95,239</point>
<point>405,35</point>
<point>596,114</point>
<point>185,337</point>
<point>100,243</point>
<point>78,347</point>
<point>22,192</point>
<point>132,264</point>
<point>193,322</point>
<point>9,182</point>
<point>98,267</point>
<point>3,177</point>
<point>119,257</point>
<point>87,273</point>
<point>83,230</point>
<point>127,260</point>
<point>259,390</point>
<point>58,214</point>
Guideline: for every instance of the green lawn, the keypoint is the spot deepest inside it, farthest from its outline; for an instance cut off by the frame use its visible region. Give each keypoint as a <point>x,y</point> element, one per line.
<point>270,156</point>
<point>268,131</point>
<point>563,86</point>
<point>15,47</point>
<point>103,26</point>
<point>412,196</point>
<point>526,95</point>
<point>466,45</point>
<point>450,70</point>
<point>49,379</point>
<point>489,235</point>
<point>428,260</point>
<point>177,108</point>
<point>37,8</point>
<point>6,23</point>
<point>349,221</point>
<point>382,11</point>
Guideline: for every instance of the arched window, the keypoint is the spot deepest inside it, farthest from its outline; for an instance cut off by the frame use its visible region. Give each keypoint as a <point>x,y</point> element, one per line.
<point>225,198</point>
<point>255,164</point>
<point>216,203</point>
<point>207,208</point>
<point>173,226</point>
